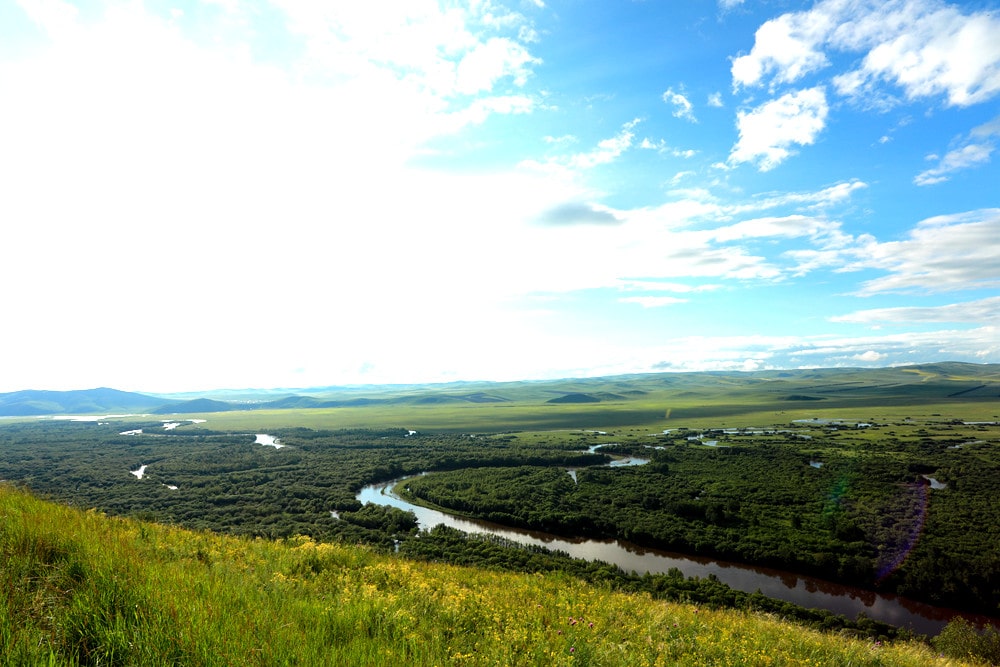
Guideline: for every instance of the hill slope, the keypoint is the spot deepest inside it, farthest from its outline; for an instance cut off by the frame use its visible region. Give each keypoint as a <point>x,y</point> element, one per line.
<point>81,588</point>
<point>30,402</point>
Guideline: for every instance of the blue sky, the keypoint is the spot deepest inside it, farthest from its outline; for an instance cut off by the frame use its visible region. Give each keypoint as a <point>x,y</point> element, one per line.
<point>294,193</point>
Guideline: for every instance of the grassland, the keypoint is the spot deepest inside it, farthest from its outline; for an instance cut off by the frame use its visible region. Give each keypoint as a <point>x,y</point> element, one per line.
<point>698,400</point>
<point>83,588</point>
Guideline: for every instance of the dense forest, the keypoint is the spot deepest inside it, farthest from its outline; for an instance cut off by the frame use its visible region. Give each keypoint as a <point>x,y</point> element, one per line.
<point>226,482</point>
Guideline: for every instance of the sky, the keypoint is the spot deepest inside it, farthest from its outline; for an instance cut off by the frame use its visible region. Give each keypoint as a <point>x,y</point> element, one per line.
<point>294,193</point>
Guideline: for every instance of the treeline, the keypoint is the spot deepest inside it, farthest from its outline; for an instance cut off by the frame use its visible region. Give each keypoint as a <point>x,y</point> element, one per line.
<point>223,482</point>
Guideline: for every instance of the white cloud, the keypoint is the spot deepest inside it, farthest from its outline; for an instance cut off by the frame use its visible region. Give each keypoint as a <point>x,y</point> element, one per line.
<point>133,146</point>
<point>976,150</point>
<point>715,100</point>
<point>681,104</point>
<point>967,156</point>
<point>787,47</point>
<point>606,151</point>
<point>869,357</point>
<point>769,131</point>
<point>484,65</point>
<point>792,226</point>
<point>927,49</point>
<point>444,51</point>
<point>944,253</point>
<point>980,311</point>
<point>838,193</point>
<point>924,47</point>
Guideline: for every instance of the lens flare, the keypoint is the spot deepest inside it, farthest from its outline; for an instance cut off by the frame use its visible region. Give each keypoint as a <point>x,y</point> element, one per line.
<point>907,531</point>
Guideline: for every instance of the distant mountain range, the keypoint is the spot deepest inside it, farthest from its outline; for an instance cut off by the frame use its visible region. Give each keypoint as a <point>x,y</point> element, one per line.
<point>83,402</point>
<point>937,380</point>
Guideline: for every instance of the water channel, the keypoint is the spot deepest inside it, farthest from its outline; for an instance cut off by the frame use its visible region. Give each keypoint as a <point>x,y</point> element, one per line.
<point>797,589</point>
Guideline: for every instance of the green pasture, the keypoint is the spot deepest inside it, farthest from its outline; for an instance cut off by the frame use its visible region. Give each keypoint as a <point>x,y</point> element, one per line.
<point>653,413</point>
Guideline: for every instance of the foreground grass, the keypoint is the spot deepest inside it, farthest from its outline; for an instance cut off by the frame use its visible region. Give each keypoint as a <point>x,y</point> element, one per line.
<point>81,588</point>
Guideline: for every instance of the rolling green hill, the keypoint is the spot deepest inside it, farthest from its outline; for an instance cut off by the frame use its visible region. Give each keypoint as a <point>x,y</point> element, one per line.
<point>640,398</point>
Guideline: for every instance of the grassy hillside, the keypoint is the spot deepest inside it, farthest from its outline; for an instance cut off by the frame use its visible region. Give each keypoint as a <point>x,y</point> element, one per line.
<point>81,588</point>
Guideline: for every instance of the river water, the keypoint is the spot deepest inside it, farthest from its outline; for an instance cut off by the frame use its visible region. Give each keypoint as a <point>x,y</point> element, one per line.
<point>801,590</point>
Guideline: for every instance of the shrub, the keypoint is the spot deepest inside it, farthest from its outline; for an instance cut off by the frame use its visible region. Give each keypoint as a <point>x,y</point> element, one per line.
<point>960,639</point>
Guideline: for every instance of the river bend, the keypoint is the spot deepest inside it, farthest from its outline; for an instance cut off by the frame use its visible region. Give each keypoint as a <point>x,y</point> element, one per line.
<point>801,590</point>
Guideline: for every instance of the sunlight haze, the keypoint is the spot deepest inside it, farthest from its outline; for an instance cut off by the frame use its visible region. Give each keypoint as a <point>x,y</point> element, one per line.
<point>295,193</point>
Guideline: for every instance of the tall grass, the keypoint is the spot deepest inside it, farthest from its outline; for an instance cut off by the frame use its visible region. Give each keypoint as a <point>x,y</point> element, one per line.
<point>80,588</point>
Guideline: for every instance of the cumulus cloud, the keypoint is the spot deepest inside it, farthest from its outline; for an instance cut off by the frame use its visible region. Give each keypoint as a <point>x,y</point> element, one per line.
<point>923,47</point>
<point>681,104</point>
<point>927,49</point>
<point>768,133</point>
<point>787,47</point>
<point>715,100</point>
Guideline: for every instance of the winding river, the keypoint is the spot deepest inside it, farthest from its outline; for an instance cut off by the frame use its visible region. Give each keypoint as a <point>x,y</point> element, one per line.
<point>795,588</point>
